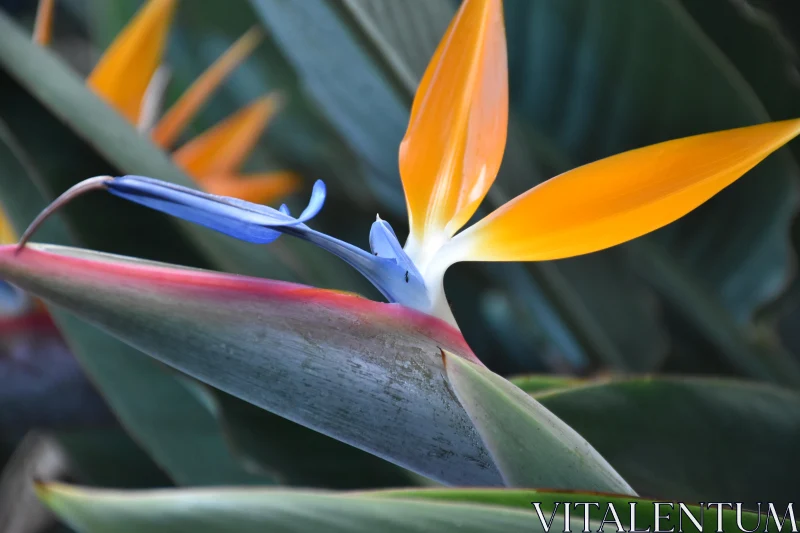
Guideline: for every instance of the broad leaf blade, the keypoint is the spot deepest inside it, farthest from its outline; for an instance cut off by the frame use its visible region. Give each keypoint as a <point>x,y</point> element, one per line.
<point>403,34</point>
<point>421,511</point>
<point>696,302</point>
<point>246,511</point>
<point>530,445</point>
<point>109,457</point>
<point>366,373</point>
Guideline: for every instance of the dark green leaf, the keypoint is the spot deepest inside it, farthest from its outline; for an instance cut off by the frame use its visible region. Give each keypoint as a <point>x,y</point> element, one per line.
<point>341,76</point>
<point>108,457</point>
<point>689,439</point>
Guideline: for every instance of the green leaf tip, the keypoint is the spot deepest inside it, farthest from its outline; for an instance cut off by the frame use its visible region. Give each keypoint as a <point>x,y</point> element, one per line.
<point>530,445</point>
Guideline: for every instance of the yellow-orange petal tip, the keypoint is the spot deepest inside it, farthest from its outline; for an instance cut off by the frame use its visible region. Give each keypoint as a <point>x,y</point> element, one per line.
<point>223,149</point>
<point>619,198</point>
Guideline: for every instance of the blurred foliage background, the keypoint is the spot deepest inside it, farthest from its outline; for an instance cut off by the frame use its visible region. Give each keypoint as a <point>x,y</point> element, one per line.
<point>716,293</point>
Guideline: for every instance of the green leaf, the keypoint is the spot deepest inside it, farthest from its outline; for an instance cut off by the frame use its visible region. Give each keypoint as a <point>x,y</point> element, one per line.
<point>694,300</point>
<point>245,511</point>
<point>108,457</point>
<point>760,27</point>
<point>530,445</point>
<point>366,373</point>
<point>403,35</point>
<point>462,510</point>
<point>538,383</point>
<point>684,438</point>
<point>36,457</point>
<point>330,74</point>
<point>105,19</point>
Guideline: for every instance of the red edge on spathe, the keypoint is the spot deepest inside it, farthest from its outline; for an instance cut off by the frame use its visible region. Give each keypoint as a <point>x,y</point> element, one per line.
<point>179,279</point>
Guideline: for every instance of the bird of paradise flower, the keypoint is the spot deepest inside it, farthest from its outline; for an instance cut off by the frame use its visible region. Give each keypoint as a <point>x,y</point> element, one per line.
<point>127,77</point>
<point>449,158</point>
<point>374,375</point>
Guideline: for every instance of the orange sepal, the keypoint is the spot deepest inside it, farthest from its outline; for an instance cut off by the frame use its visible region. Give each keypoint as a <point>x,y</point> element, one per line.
<point>456,136</point>
<point>123,73</point>
<point>223,148</point>
<point>619,198</point>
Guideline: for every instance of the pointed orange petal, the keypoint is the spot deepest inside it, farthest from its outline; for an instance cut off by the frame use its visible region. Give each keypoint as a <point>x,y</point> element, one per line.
<point>43,27</point>
<point>223,148</point>
<point>123,73</point>
<point>457,132</point>
<point>179,115</point>
<point>264,188</point>
<point>619,198</point>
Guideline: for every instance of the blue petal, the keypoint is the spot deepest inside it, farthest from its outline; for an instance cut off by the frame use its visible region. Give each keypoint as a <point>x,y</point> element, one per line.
<point>397,280</point>
<point>383,243</point>
<point>382,239</point>
<point>237,218</point>
<point>391,271</point>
